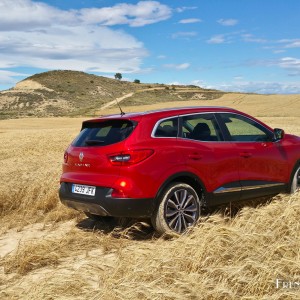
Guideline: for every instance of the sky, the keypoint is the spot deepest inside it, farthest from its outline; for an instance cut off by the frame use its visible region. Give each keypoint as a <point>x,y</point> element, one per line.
<point>231,45</point>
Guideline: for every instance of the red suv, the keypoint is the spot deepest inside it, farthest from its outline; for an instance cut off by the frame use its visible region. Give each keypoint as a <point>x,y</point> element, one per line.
<point>169,164</point>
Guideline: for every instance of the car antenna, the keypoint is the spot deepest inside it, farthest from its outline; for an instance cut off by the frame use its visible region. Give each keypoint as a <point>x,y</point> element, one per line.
<point>122,112</point>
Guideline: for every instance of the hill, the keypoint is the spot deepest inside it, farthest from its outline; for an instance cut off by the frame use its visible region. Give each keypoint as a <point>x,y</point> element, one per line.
<point>73,93</point>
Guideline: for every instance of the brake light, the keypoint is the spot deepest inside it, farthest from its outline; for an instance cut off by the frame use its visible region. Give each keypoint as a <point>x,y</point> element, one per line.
<point>129,157</point>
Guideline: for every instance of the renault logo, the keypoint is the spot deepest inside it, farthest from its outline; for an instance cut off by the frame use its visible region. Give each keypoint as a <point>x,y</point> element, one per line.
<point>81,156</point>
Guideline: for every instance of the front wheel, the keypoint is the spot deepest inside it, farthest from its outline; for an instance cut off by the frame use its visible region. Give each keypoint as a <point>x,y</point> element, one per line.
<point>179,208</point>
<point>295,184</point>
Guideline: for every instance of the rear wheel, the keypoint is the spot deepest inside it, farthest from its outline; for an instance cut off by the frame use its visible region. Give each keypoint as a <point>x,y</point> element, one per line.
<point>178,210</point>
<point>295,184</point>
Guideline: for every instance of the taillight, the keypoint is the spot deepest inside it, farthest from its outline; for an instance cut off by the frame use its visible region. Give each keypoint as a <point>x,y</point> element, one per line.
<point>66,157</point>
<point>129,157</point>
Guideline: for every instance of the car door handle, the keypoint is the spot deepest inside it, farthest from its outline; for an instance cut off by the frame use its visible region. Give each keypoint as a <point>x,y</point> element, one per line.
<point>245,154</point>
<point>195,156</point>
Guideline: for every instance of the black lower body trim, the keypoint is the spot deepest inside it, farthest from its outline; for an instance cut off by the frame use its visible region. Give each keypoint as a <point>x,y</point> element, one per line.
<point>244,190</point>
<point>103,204</point>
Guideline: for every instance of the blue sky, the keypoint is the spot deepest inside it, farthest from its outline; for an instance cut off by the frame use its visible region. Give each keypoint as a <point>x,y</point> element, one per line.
<point>232,45</point>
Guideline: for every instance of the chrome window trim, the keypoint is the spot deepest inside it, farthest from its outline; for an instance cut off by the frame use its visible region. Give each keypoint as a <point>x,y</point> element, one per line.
<point>157,124</point>
<point>178,116</point>
<point>208,112</point>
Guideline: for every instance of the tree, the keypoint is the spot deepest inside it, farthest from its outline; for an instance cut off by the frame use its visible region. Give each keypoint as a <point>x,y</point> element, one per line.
<point>137,81</point>
<point>118,76</point>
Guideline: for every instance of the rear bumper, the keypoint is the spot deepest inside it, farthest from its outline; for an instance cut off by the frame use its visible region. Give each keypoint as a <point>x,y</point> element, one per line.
<point>103,204</point>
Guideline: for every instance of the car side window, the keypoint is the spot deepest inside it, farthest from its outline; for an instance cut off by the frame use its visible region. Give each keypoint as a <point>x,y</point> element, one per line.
<point>167,128</point>
<point>242,129</point>
<point>201,127</point>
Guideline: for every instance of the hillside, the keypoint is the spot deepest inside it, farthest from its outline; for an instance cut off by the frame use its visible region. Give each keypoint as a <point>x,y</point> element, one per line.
<point>73,93</point>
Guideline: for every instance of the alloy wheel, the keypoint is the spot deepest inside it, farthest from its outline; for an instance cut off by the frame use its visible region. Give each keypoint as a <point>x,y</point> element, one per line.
<point>181,210</point>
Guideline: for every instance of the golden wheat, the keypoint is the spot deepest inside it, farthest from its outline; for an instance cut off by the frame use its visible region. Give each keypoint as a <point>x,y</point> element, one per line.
<point>225,257</point>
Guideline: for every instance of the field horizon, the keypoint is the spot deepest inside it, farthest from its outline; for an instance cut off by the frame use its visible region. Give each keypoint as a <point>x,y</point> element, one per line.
<point>48,251</point>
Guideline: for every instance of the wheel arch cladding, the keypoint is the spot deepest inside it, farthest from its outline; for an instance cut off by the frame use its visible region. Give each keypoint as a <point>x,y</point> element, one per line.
<point>183,177</point>
<point>296,166</point>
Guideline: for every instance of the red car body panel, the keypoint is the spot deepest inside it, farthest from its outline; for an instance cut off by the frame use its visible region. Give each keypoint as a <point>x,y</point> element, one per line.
<point>214,167</point>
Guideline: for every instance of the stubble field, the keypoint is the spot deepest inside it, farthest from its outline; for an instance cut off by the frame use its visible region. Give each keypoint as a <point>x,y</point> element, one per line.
<point>48,251</point>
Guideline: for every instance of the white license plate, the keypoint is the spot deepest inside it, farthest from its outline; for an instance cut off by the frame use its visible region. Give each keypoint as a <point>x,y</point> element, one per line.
<point>84,189</point>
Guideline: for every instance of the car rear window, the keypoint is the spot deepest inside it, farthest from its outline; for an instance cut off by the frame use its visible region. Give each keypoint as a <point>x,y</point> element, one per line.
<point>103,133</point>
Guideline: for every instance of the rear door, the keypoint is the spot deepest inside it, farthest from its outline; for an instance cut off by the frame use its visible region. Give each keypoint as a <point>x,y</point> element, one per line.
<point>208,155</point>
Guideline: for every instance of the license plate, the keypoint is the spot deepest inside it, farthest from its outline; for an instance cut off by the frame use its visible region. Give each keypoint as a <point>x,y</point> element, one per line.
<point>83,189</point>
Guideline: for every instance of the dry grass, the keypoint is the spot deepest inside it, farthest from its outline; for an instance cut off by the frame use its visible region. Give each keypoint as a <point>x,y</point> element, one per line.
<point>31,155</point>
<point>44,256</point>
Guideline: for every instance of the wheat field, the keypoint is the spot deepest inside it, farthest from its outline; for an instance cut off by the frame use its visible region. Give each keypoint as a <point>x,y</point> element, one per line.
<point>48,251</point>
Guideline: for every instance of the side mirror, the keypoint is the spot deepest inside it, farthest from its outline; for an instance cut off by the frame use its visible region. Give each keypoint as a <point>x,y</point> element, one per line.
<point>278,134</point>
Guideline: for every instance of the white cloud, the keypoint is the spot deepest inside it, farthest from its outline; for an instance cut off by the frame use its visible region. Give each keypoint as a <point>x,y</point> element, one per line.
<point>184,34</point>
<point>288,63</point>
<point>183,66</point>
<point>234,36</point>
<point>259,87</point>
<point>8,77</point>
<point>266,87</point>
<point>292,65</point>
<point>190,21</point>
<point>217,39</point>
<point>278,51</point>
<point>34,34</point>
<point>228,22</point>
<point>143,13</point>
<point>184,8</point>
<point>28,14</point>
<point>202,84</point>
<point>290,43</point>
<point>77,48</point>
<point>251,38</point>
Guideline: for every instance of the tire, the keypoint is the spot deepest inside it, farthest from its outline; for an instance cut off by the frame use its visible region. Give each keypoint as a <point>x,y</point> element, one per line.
<point>179,208</point>
<point>295,183</point>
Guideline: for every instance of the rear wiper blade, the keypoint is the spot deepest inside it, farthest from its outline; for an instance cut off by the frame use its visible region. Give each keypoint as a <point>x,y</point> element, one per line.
<point>94,142</point>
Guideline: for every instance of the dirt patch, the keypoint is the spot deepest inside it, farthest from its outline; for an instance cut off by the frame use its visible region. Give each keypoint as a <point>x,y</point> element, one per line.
<point>10,241</point>
<point>31,85</point>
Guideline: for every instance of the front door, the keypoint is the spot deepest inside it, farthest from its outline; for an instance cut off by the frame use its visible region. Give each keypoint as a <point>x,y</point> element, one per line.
<point>262,162</point>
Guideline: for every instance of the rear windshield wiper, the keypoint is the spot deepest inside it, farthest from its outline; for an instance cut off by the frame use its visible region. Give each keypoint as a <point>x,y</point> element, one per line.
<point>94,142</point>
